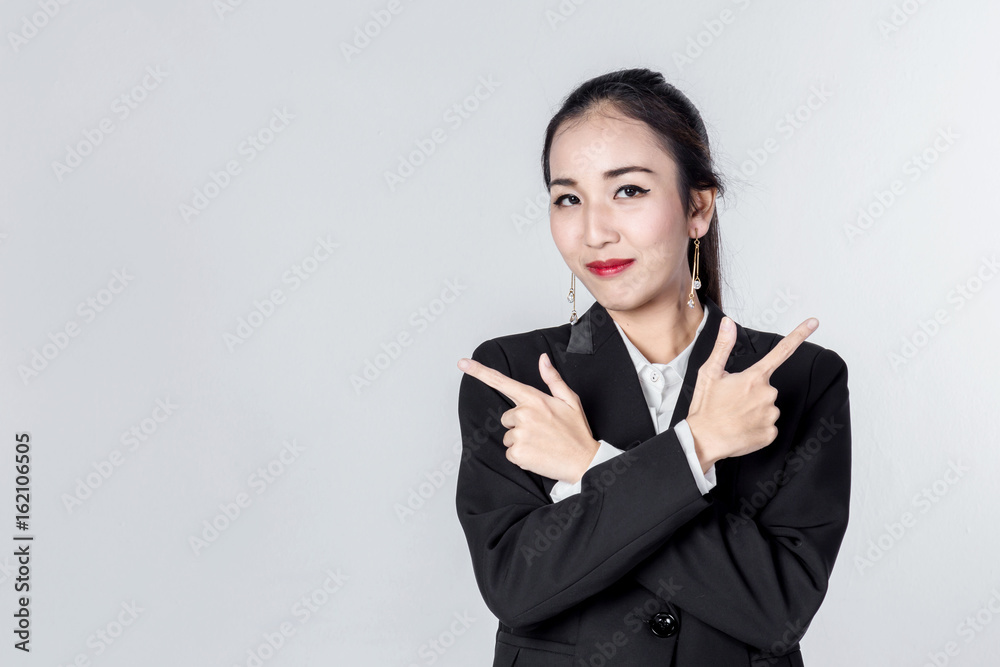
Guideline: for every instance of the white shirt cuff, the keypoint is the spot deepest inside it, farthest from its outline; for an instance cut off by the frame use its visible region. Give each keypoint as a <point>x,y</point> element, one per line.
<point>705,481</point>
<point>563,490</point>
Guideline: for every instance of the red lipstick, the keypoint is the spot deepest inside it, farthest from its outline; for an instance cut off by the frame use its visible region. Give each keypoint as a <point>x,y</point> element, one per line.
<point>609,267</point>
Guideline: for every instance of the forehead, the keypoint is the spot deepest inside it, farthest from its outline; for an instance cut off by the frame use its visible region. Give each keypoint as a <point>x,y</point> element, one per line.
<point>601,141</point>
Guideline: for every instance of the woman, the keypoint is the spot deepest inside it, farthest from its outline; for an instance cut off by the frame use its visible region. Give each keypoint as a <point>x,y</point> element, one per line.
<point>652,484</point>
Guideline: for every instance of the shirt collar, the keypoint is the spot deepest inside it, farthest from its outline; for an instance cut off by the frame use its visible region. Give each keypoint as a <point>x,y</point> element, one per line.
<point>672,371</point>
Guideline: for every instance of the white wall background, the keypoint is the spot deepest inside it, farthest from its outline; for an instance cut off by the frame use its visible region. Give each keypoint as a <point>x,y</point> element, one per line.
<point>897,74</point>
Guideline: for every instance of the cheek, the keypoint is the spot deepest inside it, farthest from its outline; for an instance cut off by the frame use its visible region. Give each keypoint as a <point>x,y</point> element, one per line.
<point>658,249</point>
<point>564,236</point>
<point>661,234</point>
<point>651,240</point>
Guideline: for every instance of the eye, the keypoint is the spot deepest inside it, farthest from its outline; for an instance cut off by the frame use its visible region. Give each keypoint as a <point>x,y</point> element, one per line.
<point>633,188</point>
<point>635,191</point>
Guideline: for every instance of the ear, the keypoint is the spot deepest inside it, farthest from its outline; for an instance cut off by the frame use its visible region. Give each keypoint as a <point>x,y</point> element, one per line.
<point>702,209</point>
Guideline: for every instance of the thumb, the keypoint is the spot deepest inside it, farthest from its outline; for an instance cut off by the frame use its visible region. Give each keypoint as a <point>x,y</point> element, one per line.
<point>554,380</point>
<point>715,365</point>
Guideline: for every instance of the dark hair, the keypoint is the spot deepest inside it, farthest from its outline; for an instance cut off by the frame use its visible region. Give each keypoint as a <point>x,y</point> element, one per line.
<point>644,95</point>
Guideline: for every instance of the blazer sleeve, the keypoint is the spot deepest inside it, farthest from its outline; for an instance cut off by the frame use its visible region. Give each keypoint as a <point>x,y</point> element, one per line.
<point>760,575</point>
<point>533,558</point>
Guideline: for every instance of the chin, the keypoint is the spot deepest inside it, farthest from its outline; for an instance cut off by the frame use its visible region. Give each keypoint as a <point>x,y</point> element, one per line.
<point>621,302</point>
<point>626,299</point>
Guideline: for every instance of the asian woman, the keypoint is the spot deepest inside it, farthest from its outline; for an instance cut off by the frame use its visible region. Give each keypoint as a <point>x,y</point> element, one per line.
<point>651,483</point>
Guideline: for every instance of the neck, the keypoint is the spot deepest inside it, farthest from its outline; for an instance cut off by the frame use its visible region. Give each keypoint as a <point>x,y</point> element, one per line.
<point>661,329</point>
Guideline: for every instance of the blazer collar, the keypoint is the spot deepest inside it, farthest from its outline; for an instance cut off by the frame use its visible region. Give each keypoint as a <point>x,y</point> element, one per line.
<point>595,334</point>
<point>597,365</point>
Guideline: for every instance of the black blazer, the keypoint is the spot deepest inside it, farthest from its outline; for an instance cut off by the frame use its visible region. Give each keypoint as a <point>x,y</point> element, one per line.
<point>640,568</point>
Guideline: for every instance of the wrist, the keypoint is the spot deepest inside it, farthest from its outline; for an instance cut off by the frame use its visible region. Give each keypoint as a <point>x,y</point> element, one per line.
<point>585,460</point>
<point>707,454</point>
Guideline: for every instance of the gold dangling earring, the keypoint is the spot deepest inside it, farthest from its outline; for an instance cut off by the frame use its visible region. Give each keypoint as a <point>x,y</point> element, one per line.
<point>572,297</point>
<point>695,281</point>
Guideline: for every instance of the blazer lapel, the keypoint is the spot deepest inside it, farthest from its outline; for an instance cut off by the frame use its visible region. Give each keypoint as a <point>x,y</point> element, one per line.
<point>736,362</point>
<point>597,366</point>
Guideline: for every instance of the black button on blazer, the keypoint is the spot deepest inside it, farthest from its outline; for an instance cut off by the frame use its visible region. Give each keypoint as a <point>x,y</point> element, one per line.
<point>640,568</point>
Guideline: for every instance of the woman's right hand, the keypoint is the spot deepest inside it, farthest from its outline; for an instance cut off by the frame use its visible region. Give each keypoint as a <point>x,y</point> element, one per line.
<point>733,414</point>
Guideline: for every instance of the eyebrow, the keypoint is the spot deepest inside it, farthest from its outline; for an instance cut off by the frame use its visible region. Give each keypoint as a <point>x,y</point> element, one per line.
<point>608,175</point>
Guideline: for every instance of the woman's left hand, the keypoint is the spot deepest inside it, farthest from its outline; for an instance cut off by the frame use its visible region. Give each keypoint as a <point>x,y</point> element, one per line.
<point>548,435</point>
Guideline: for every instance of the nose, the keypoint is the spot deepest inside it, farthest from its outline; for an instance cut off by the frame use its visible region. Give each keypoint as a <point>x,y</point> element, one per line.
<point>598,225</point>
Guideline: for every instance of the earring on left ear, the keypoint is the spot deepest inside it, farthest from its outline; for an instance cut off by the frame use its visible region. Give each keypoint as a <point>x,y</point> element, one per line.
<point>695,281</point>
<point>572,297</point>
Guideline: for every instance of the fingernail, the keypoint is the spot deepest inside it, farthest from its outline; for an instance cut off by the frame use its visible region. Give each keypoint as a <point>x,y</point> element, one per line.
<point>812,323</point>
<point>463,364</point>
<point>727,324</point>
<point>545,360</point>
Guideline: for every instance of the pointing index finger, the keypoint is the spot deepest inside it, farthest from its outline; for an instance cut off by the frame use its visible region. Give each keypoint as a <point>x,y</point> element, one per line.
<point>509,387</point>
<point>785,347</point>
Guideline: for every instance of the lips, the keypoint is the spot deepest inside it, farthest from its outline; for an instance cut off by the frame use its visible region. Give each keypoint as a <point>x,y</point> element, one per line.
<point>608,267</point>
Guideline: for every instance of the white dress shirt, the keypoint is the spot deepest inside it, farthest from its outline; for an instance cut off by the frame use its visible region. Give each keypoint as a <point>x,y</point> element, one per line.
<point>661,385</point>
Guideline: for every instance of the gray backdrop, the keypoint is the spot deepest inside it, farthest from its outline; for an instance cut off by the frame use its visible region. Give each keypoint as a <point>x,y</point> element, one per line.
<point>244,244</point>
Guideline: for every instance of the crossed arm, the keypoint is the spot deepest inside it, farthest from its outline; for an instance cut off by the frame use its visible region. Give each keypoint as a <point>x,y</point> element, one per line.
<point>534,559</point>
<point>760,575</point>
